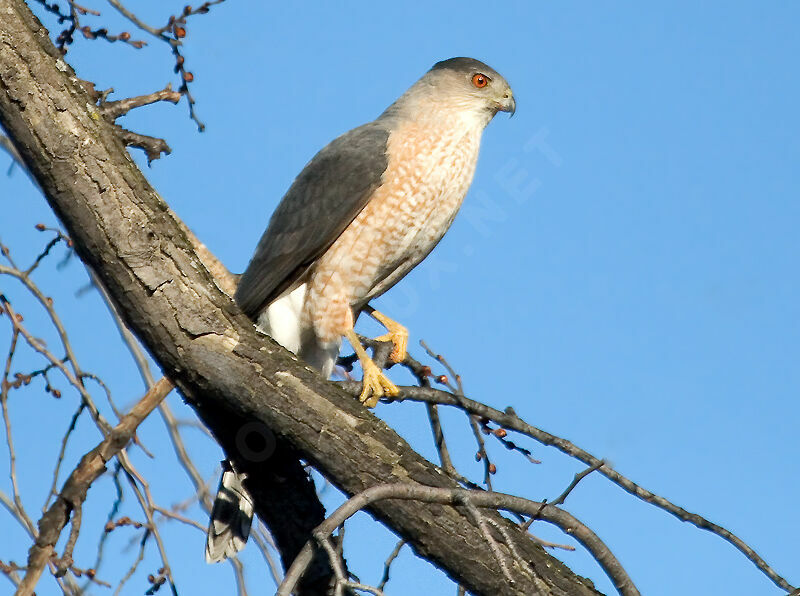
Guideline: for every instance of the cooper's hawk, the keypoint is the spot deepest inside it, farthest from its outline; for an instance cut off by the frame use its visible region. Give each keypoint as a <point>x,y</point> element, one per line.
<point>364,212</point>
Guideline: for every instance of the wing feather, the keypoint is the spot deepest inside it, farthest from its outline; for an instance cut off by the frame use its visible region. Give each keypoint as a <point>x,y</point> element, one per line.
<point>323,200</point>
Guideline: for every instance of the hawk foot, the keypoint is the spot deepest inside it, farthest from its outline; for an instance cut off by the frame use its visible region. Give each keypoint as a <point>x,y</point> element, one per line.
<point>375,385</point>
<point>398,335</point>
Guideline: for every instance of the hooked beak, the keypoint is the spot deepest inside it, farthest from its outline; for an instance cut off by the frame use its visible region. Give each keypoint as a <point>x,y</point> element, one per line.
<point>507,104</point>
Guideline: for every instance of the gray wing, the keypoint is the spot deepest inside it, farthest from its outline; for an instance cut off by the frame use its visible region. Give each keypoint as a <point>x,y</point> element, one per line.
<point>322,201</point>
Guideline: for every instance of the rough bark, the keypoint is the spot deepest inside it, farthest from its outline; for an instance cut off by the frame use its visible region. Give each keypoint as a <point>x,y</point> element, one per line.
<point>228,372</point>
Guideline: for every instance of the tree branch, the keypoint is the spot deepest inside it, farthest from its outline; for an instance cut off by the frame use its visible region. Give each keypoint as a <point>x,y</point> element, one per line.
<point>114,109</point>
<point>471,500</point>
<point>509,420</point>
<point>152,146</point>
<point>73,494</point>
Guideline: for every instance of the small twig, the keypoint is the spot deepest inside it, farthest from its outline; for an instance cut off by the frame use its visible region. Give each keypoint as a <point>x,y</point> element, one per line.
<point>336,560</point>
<point>548,544</point>
<point>12,455</point>
<point>10,571</point>
<point>135,564</point>
<point>337,563</point>
<point>61,452</point>
<point>422,375</point>
<point>388,564</point>
<point>238,570</point>
<point>114,109</point>
<point>110,399</point>
<point>559,500</point>
<point>90,574</point>
<point>66,36</point>
<point>507,540</point>
<point>172,33</point>
<point>181,518</point>
<point>65,562</point>
<point>115,506</point>
<point>11,507</point>
<point>351,585</point>
<point>8,146</point>
<point>480,521</point>
<point>73,376</point>
<point>458,390</point>
<point>136,21</point>
<point>102,33</point>
<point>152,146</point>
<point>146,503</point>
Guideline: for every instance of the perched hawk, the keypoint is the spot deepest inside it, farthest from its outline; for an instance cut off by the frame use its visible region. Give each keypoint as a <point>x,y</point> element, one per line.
<point>364,212</point>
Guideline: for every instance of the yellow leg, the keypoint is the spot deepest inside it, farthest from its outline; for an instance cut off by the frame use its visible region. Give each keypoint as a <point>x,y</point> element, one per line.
<point>398,335</point>
<point>374,384</point>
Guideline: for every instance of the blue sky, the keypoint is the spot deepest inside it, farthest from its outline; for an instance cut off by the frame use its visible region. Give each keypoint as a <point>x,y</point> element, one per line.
<point>624,271</point>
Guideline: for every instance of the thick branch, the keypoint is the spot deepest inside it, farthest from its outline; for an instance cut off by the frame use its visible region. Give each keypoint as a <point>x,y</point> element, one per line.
<point>232,375</point>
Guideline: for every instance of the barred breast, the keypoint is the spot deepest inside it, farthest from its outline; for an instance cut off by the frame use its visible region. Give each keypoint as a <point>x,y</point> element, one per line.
<point>428,174</point>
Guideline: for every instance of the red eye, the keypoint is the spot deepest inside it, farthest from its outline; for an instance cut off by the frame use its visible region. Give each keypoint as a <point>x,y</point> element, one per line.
<point>480,80</point>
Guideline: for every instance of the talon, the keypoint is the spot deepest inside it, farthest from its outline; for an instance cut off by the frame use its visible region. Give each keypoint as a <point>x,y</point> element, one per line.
<point>375,385</point>
<point>400,341</point>
<point>398,335</point>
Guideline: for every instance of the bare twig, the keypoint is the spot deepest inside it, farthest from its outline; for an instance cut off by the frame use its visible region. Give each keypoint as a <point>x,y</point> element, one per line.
<point>114,109</point>
<point>458,390</point>
<point>172,33</point>
<point>10,571</point>
<point>548,544</point>
<point>136,21</point>
<point>152,146</point>
<point>145,498</point>
<point>76,374</point>
<point>65,562</point>
<point>135,564</point>
<point>12,455</point>
<point>74,378</point>
<point>61,452</point>
<point>479,520</point>
<point>8,146</point>
<point>91,466</point>
<point>11,507</point>
<point>388,564</point>
<point>578,477</point>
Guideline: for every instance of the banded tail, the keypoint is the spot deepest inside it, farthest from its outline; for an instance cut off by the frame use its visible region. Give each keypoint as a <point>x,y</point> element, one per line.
<point>231,517</point>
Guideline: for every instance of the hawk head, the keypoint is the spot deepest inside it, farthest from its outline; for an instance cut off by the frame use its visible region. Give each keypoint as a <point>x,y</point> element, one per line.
<point>476,83</point>
<point>465,87</point>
